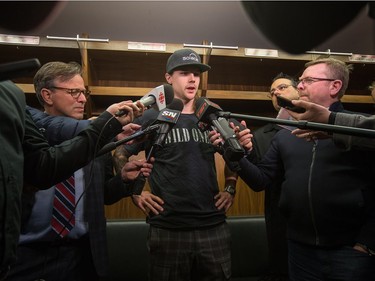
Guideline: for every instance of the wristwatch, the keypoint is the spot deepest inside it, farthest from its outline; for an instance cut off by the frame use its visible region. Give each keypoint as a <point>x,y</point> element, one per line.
<point>230,189</point>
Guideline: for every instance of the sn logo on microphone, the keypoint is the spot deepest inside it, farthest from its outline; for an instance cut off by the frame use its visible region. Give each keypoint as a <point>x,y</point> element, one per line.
<point>169,116</point>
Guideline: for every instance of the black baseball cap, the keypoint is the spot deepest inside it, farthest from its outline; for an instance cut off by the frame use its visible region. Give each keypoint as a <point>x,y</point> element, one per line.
<point>184,57</point>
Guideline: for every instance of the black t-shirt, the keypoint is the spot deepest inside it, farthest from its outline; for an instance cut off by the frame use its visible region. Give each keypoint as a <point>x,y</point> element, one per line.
<point>184,176</point>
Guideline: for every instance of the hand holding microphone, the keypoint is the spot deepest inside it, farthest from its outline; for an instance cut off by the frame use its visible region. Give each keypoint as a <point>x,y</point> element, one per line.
<point>128,130</point>
<point>137,135</point>
<point>206,112</point>
<point>129,107</point>
<point>131,169</point>
<point>158,97</point>
<point>243,135</point>
<point>126,111</point>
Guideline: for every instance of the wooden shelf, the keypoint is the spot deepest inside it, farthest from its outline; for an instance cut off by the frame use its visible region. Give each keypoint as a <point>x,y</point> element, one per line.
<point>237,82</point>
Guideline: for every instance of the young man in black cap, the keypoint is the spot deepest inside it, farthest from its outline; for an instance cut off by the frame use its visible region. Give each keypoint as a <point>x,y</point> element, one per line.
<point>189,238</point>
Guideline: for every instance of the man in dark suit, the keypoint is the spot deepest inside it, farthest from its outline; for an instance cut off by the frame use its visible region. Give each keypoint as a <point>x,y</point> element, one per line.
<point>81,252</point>
<point>27,158</point>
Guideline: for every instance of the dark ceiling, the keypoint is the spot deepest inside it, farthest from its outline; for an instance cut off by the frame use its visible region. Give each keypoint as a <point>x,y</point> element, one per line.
<point>223,23</point>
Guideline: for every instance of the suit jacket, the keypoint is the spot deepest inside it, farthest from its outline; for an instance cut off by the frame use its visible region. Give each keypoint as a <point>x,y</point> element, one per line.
<point>101,185</point>
<point>26,156</point>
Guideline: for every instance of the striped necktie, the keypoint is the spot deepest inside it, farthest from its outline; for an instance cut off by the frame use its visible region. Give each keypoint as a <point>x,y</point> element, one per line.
<point>63,219</point>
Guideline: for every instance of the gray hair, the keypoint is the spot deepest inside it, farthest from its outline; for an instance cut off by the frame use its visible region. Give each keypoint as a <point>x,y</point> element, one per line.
<point>52,71</point>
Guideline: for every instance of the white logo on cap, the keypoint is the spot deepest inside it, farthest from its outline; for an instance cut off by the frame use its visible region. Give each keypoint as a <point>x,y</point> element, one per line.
<point>192,56</point>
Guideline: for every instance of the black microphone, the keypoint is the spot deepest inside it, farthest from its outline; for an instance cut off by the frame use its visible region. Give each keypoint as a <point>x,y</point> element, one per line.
<point>207,112</point>
<point>306,125</point>
<point>112,145</point>
<point>167,118</point>
<point>160,96</point>
<point>11,70</point>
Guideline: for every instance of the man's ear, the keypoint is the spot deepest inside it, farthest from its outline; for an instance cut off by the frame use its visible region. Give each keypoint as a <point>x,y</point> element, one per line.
<point>46,96</point>
<point>335,88</point>
<point>168,78</point>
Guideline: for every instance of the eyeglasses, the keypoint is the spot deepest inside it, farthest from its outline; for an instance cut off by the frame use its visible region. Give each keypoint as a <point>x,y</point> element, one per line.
<point>75,93</point>
<point>310,80</point>
<point>281,88</point>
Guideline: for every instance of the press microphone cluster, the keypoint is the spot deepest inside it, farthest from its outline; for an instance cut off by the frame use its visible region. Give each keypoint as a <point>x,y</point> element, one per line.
<point>207,113</point>
<point>166,119</point>
<point>159,97</point>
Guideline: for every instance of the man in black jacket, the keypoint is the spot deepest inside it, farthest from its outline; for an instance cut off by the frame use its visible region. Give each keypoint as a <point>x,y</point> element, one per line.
<point>286,86</point>
<point>327,194</point>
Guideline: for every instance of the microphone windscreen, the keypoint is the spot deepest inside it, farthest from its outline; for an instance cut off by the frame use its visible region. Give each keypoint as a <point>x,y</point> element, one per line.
<point>176,104</point>
<point>169,93</point>
<point>11,70</point>
<point>199,102</point>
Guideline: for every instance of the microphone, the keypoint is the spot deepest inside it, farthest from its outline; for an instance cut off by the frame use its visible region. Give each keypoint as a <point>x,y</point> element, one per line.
<point>306,125</point>
<point>11,70</point>
<point>207,112</point>
<point>111,146</point>
<point>159,96</point>
<point>166,119</point>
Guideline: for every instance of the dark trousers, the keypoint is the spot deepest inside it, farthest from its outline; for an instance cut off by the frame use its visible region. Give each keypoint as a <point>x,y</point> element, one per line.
<point>276,235</point>
<point>200,254</point>
<point>309,263</point>
<point>54,261</point>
